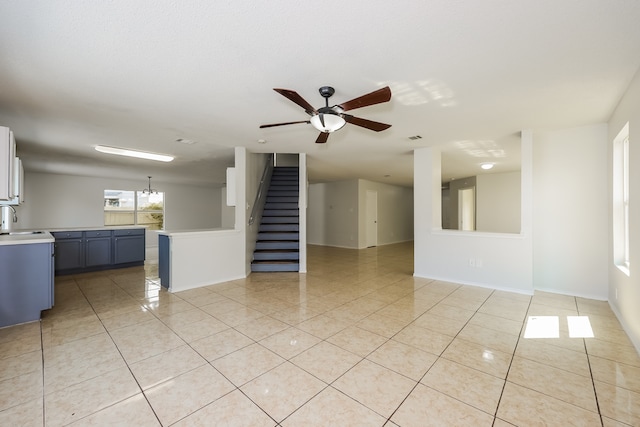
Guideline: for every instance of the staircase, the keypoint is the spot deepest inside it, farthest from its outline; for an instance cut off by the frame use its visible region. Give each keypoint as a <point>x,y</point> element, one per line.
<point>277,247</point>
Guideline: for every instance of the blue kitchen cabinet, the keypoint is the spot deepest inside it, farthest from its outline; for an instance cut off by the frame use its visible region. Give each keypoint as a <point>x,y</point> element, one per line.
<point>97,248</point>
<point>129,246</point>
<point>93,250</point>
<point>164,265</point>
<point>69,250</point>
<point>26,282</point>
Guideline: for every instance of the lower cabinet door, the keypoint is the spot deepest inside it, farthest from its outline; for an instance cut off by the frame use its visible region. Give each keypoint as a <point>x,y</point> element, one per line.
<point>69,254</point>
<point>128,249</point>
<point>98,251</point>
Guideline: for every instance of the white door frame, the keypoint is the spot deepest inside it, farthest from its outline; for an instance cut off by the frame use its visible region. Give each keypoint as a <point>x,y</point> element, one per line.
<point>467,209</point>
<point>371,215</point>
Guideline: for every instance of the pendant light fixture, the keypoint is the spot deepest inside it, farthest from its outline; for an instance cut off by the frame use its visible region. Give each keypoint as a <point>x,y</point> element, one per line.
<point>149,190</point>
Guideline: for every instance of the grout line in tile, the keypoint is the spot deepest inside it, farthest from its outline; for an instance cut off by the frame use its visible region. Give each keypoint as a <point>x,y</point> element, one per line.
<point>593,381</point>
<point>511,362</point>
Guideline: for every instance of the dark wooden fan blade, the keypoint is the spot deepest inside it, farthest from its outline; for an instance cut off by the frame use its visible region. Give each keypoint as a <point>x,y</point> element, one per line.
<point>283,124</point>
<point>369,124</point>
<point>376,97</point>
<point>322,138</point>
<point>293,96</point>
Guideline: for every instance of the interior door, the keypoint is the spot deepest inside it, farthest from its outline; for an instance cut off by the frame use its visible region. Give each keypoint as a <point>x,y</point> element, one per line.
<point>372,218</point>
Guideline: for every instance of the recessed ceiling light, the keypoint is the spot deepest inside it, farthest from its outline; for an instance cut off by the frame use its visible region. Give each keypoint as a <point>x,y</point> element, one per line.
<point>487,166</point>
<point>262,141</point>
<point>134,153</point>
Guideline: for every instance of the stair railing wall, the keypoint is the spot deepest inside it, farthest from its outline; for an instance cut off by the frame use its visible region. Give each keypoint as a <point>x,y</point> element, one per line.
<point>258,203</point>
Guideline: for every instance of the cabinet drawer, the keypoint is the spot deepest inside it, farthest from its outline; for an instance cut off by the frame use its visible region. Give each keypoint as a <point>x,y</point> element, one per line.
<point>67,234</point>
<point>129,232</point>
<point>92,234</point>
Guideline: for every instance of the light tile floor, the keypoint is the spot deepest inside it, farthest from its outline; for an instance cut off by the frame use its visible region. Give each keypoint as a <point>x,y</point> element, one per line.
<point>357,341</point>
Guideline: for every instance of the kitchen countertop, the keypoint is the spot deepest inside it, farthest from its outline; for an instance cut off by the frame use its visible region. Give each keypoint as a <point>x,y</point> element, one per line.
<point>99,227</point>
<point>46,237</point>
<point>22,239</point>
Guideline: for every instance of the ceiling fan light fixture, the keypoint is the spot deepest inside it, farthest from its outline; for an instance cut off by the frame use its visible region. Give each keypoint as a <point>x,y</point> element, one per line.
<point>332,122</point>
<point>134,153</point>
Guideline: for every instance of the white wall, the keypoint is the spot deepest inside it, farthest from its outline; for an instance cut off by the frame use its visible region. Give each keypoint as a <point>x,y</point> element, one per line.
<point>303,202</point>
<point>498,202</point>
<point>502,261</point>
<point>336,214</point>
<point>395,213</point>
<point>332,215</point>
<point>58,201</point>
<point>203,258</point>
<point>624,291</point>
<point>254,165</point>
<point>570,211</point>
<point>64,201</point>
<point>228,213</point>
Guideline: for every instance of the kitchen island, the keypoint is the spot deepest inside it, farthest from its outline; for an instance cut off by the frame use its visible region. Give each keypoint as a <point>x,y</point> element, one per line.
<point>26,276</point>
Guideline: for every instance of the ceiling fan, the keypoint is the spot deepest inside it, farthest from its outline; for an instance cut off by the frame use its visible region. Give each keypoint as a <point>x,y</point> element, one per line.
<point>330,119</point>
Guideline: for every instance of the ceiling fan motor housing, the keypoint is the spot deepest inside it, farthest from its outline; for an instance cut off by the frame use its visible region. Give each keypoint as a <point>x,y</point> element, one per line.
<point>326,91</point>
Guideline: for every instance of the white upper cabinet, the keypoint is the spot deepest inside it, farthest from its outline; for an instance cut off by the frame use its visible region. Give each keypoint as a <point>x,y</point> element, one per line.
<point>7,164</point>
<point>18,182</point>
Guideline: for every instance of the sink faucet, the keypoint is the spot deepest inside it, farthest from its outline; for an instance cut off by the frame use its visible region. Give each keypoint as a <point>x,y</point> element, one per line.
<point>15,215</point>
<point>5,227</point>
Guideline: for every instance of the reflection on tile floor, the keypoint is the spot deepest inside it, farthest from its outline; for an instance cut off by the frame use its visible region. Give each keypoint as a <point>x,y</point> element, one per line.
<point>357,341</point>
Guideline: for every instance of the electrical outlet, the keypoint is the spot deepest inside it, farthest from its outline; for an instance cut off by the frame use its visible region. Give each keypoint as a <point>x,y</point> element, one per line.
<point>478,262</point>
<point>472,262</point>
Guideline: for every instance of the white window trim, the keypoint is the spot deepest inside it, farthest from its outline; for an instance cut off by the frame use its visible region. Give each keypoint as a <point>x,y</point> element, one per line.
<point>621,200</point>
<point>135,211</point>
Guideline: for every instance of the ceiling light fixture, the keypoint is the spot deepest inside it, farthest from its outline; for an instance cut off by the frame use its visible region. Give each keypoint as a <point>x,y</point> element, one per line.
<point>327,122</point>
<point>487,166</point>
<point>134,153</point>
<point>149,190</point>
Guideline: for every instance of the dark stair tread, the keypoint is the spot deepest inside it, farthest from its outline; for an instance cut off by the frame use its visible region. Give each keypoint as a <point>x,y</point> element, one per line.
<point>278,239</point>
<point>275,261</point>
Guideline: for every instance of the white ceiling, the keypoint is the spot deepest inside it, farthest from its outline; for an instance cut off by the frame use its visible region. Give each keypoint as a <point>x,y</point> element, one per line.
<point>465,74</point>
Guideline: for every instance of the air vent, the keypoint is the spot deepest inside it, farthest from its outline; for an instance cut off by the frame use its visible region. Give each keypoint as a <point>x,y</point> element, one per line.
<point>185,141</point>
<point>414,137</point>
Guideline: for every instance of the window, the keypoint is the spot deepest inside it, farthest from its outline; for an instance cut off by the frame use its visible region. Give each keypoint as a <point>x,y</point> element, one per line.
<point>123,207</point>
<point>621,199</point>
